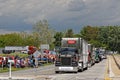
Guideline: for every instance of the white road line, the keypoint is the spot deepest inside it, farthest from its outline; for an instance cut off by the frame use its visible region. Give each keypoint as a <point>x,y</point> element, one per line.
<point>7,78</point>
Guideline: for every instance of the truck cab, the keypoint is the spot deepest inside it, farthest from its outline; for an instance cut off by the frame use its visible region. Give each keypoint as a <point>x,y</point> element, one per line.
<point>73,55</point>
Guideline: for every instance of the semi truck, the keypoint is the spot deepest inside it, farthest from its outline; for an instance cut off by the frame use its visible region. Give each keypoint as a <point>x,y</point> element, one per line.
<point>72,56</point>
<point>91,55</point>
<point>23,49</point>
<point>98,56</point>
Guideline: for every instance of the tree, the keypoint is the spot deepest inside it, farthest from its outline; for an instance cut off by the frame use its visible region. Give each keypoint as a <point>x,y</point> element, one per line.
<point>12,39</point>
<point>77,35</point>
<point>69,33</point>
<point>42,33</point>
<point>89,33</point>
<point>58,37</point>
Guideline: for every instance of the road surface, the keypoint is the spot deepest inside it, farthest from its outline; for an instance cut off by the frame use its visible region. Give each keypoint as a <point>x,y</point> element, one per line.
<point>96,72</point>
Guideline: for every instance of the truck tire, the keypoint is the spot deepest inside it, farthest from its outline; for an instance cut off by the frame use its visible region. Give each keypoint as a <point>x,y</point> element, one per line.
<point>56,72</point>
<point>89,65</point>
<point>86,68</point>
<point>80,70</point>
<point>75,72</point>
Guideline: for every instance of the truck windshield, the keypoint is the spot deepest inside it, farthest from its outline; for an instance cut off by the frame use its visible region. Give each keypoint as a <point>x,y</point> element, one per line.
<point>70,51</point>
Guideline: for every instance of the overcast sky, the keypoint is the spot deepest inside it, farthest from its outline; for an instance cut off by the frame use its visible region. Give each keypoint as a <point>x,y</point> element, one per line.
<point>20,15</point>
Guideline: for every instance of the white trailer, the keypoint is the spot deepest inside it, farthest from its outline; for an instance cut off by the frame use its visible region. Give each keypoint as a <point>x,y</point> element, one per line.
<point>16,48</point>
<point>22,49</point>
<point>84,54</point>
<point>73,55</point>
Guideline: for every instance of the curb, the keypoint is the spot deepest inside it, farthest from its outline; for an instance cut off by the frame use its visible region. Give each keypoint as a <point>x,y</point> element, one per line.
<point>107,79</point>
<point>111,74</point>
<point>118,65</point>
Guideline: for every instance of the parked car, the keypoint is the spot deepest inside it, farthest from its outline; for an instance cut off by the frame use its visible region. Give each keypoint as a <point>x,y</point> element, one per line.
<point>103,54</point>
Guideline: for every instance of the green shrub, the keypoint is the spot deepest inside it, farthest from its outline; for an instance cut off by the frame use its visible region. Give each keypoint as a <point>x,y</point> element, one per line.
<point>14,54</point>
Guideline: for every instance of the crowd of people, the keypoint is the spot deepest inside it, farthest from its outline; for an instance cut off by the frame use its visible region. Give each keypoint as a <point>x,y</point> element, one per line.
<point>33,60</point>
<point>21,62</point>
<point>18,62</point>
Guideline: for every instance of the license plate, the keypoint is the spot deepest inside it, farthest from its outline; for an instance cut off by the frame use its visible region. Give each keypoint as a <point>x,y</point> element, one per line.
<point>65,68</point>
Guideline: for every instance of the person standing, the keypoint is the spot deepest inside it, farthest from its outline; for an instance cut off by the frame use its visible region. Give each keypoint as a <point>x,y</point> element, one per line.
<point>36,54</point>
<point>36,62</point>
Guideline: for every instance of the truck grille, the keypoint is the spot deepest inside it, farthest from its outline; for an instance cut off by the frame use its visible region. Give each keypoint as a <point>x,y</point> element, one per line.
<point>65,61</point>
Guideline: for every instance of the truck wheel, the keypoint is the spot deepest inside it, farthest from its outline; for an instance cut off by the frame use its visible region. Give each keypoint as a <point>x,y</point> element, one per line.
<point>89,65</point>
<point>56,72</point>
<point>80,70</point>
<point>75,72</point>
<point>86,68</point>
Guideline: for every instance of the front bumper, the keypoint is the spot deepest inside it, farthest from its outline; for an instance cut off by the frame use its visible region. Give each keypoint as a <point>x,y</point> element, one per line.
<point>66,68</point>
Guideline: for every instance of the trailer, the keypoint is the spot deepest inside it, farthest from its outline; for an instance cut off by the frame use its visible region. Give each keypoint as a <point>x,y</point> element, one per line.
<point>12,49</point>
<point>91,55</point>
<point>22,49</point>
<point>73,55</point>
<point>16,48</point>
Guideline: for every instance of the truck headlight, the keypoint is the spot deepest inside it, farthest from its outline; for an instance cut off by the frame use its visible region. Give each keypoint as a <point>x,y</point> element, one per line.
<point>57,63</point>
<point>74,63</point>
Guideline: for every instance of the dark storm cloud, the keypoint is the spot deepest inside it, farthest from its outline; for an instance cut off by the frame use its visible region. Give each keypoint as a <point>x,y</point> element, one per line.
<point>61,14</point>
<point>76,5</point>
